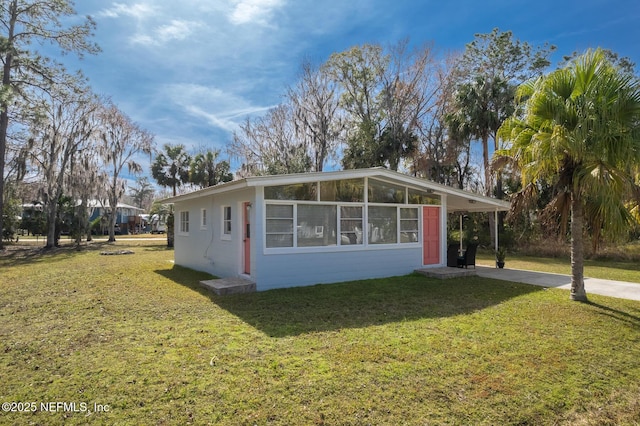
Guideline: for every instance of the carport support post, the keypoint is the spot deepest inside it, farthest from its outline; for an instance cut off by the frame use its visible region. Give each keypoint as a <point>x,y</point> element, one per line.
<point>495,223</point>
<point>460,252</point>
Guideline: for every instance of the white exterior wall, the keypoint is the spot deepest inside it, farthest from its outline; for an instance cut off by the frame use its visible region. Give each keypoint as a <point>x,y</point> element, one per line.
<point>299,269</point>
<point>207,249</point>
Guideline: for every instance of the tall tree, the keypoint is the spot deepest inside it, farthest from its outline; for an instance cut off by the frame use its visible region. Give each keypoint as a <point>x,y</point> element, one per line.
<point>171,170</point>
<point>205,169</point>
<point>314,100</point>
<point>359,72</point>
<point>579,129</point>
<point>384,94</point>
<point>25,24</point>
<point>142,193</point>
<point>443,156</point>
<point>171,167</point>
<point>407,96</point>
<point>268,145</point>
<point>64,128</point>
<point>85,181</point>
<point>122,140</point>
<point>481,106</point>
<point>490,68</point>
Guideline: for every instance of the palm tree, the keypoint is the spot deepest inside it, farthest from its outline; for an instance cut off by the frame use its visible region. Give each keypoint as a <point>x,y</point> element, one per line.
<point>578,128</point>
<point>171,167</point>
<point>205,170</point>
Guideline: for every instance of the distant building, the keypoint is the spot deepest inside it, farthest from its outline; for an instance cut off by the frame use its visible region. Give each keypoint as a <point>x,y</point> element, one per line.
<point>129,218</point>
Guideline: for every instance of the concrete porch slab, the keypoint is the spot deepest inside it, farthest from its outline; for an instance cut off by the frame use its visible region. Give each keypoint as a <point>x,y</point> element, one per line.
<point>447,272</point>
<point>231,285</point>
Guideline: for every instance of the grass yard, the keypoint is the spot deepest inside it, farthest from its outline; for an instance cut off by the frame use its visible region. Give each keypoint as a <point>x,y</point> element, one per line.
<point>608,269</point>
<point>137,336</point>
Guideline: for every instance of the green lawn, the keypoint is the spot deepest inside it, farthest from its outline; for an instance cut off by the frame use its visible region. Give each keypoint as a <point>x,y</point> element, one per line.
<point>136,335</point>
<point>606,269</point>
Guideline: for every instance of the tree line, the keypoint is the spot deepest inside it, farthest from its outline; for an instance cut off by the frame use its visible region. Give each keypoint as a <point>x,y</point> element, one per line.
<point>75,145</point>
<point>399,107</point>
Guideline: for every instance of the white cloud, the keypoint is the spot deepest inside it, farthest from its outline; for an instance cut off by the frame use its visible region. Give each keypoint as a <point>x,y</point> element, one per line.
<point>221,109</point>
<point>138,11</point>
<point>254,11</point>
<point>175,30</point>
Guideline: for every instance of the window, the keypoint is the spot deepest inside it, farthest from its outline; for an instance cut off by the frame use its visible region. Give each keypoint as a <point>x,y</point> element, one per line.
<point>383,225</point>
<point>350,225</point>
<point>299,191</point>
<point>383,192</point>
<point>316,225</point>
<point>408,225</point>
<point>279,230</point>
<point>184,222</point>
<point>226,222</point>
<point>203,218</point>
<point>340,213</point>
<point>421,197</point>
<point>346,190</point>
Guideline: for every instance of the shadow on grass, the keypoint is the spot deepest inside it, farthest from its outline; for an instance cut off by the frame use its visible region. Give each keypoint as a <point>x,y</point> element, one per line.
<point>29,254</point>
<point>161,247</point>
<point>625,317</point>
<point>356,304</point>
<point>187,277</point>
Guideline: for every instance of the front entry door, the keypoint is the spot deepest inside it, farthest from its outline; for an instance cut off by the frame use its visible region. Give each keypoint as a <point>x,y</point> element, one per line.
<point>430,235</point>
<point>246,229</point>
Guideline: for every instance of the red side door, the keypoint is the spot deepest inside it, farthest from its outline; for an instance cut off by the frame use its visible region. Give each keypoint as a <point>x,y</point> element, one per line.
<point>430,235</point>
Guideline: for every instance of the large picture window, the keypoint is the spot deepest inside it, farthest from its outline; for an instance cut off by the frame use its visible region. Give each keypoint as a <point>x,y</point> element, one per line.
<point>316,225</point>
<point>383,225</point>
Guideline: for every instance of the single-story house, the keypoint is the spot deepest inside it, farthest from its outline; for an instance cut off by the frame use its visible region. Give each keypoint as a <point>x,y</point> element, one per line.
<point>303,229</point>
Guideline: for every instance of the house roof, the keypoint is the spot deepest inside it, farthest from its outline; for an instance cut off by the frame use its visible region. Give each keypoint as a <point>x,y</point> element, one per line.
<point>105,203</point>
<point>457,199</point>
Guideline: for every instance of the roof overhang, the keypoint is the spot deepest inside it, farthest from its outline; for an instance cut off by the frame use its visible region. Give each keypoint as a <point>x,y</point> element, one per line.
<point>457,199</point>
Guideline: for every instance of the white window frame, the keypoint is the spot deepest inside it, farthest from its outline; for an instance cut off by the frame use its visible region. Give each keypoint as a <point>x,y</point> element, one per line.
<point>224,234</point>
<point>203,218</point>
<point>183,224</point>
<point>293,233</point>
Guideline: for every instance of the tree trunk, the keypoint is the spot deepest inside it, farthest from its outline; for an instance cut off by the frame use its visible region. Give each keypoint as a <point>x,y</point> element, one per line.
<point>4,106</point>
<point>112,221</point>
<point>52,213</point>
<point>578,292</point>
<point>4,122</point>
<point>170,225</point>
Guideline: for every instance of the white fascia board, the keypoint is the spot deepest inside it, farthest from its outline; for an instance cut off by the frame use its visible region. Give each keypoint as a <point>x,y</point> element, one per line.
<point>212,190</point>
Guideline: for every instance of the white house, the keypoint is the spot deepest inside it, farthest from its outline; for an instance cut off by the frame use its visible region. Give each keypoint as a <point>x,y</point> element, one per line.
<point>302,229</point>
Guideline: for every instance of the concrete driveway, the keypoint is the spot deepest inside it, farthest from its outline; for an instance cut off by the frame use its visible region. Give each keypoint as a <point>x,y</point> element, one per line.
<point>620,289</point>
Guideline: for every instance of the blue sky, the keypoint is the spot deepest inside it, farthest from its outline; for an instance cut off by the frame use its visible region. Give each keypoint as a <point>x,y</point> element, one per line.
<point>190,71</point>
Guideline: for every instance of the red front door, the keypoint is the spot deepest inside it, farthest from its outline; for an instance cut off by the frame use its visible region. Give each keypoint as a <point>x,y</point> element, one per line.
<point>430,235</point>
<point>246,229</point>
